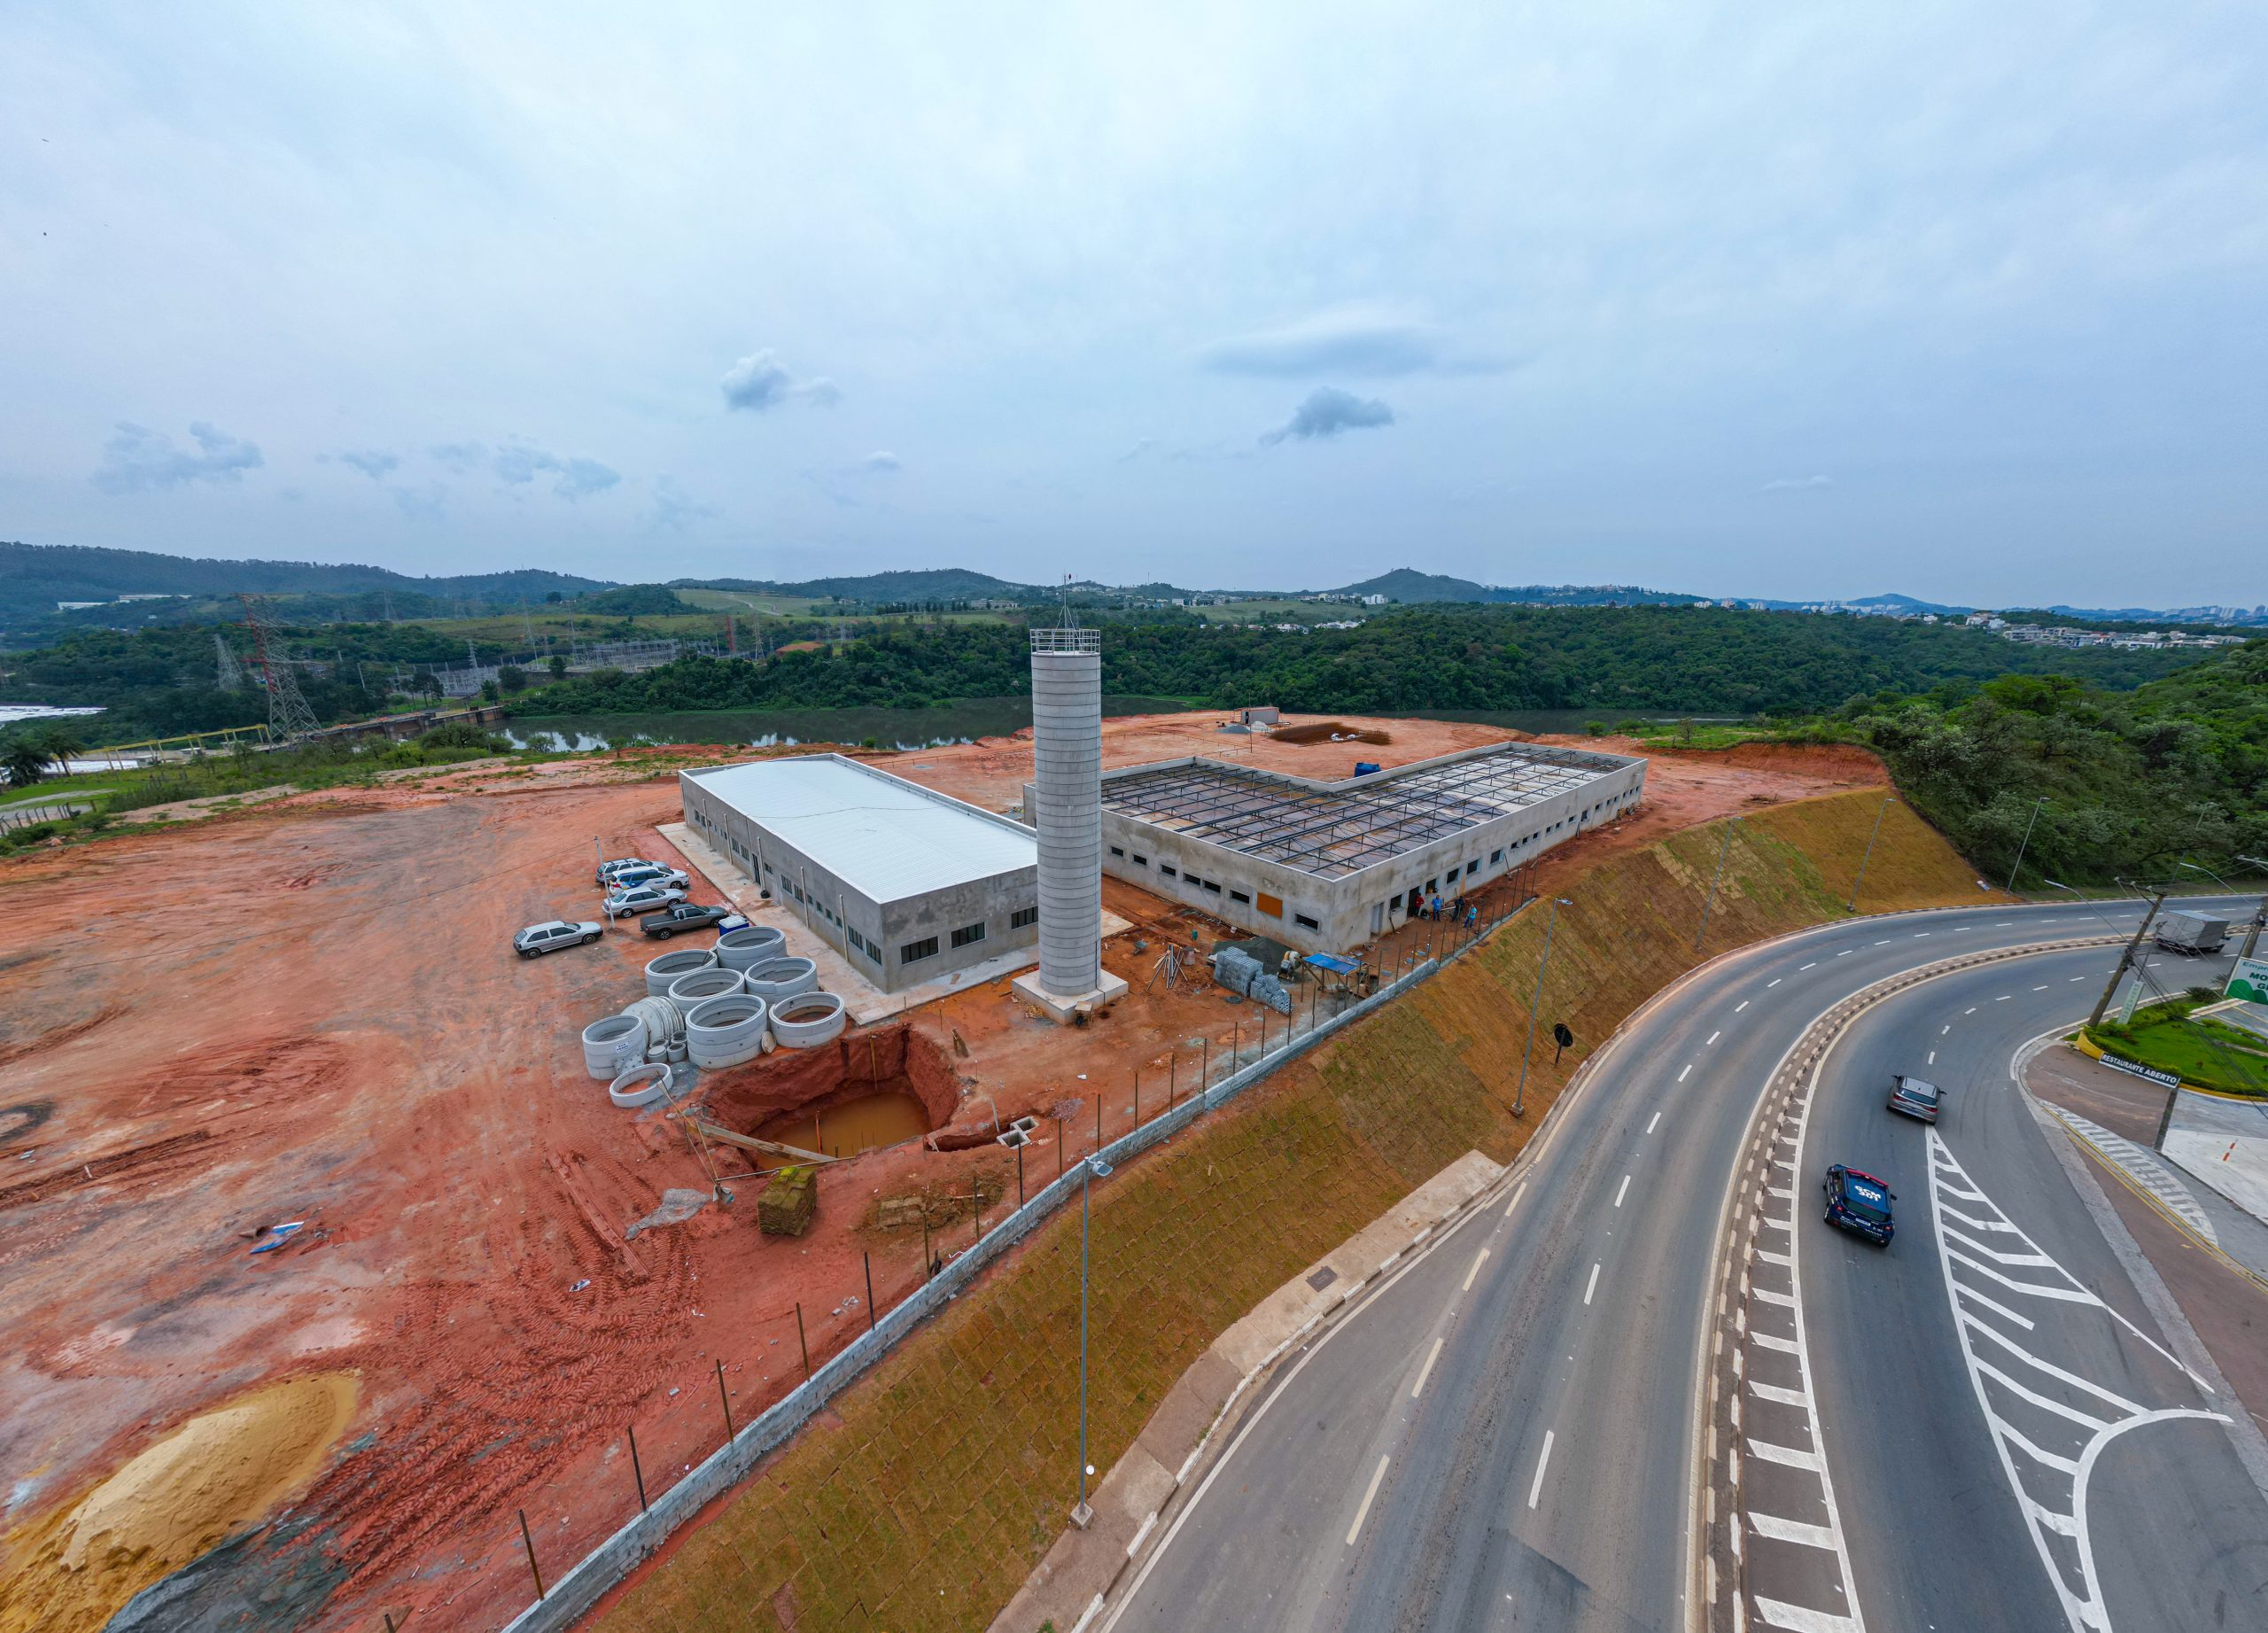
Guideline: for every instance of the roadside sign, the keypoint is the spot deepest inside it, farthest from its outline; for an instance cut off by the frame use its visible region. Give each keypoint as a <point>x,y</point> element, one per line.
<point>2250,980</point>
<point>2164,1079</point>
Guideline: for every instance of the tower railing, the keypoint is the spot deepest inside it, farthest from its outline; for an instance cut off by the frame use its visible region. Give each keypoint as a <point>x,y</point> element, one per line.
<point>1066,640</point>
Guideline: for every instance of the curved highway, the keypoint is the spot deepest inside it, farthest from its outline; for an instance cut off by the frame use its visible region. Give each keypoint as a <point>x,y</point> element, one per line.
<point>1503,1432</point>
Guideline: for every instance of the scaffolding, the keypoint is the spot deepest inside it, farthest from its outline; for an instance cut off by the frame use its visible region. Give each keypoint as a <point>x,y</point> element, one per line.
<point>1329,833</point>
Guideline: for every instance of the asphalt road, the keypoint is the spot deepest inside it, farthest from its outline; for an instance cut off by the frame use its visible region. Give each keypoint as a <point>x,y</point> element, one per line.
<point>1506,1441</point>
<point>2173,1532</point>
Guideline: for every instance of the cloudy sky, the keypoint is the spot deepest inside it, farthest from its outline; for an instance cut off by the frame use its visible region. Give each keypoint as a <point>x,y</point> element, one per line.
<point>1966,302</point>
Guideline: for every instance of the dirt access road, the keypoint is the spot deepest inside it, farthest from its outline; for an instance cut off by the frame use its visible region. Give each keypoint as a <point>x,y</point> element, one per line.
<point>309,1011</point>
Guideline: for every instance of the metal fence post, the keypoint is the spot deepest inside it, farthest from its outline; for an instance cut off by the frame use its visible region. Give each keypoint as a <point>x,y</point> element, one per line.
<point>868,1259</point>
<point>637,1473</point>
<point>724,1399</point>
<point>801,1343</point>
<point>529,1541</point>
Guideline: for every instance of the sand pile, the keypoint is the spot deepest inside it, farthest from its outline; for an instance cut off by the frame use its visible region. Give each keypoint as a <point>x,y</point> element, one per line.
<point>213,1477</point>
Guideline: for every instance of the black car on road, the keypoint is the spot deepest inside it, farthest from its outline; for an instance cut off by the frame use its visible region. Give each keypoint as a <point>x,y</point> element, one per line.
<point>1858,1203</point>
<point>683,915</point>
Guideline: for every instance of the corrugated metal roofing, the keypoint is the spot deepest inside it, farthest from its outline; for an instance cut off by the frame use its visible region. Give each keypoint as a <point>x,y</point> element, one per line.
<point>878,833</point>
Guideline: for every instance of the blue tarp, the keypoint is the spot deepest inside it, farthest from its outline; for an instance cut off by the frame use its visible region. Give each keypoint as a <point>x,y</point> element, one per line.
<point>1324,960</point>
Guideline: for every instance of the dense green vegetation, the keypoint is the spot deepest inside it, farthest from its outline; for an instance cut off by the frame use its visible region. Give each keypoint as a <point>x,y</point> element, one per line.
<point>2135,782</point>
<point>1686,659</point>
<point>2198,1049</point>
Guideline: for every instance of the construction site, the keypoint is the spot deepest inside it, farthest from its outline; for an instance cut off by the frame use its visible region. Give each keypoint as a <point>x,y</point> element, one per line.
<point>299,1158</point>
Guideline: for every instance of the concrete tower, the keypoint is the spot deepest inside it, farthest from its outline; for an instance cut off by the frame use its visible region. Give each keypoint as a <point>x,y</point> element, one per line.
<point>1066,811</point>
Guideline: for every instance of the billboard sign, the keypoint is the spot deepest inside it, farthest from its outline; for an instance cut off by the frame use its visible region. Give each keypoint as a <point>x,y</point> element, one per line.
<point>2250,980</point>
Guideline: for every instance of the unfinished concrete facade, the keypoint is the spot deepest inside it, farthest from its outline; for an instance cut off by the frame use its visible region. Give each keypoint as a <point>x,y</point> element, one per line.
<point>907,882</point>
<point>1325,867</point>
<point>1063,803</point>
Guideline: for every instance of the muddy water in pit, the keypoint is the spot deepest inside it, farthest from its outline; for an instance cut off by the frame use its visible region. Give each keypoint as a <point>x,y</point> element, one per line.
<point>868,1122</point>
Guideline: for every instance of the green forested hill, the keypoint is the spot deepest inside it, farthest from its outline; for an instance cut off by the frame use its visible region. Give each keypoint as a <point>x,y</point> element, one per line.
<point>1688,659</point>
<point>2136,782</point>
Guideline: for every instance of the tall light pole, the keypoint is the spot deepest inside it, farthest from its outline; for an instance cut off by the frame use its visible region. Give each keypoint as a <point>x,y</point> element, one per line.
<point>1520,1095</point>
<point>1888,801</point>
<point>2028,827</point>
<point>1712,899</point>
<point>1090,1171</point>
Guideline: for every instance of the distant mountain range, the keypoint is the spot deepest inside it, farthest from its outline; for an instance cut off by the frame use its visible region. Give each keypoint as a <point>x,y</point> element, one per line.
<point>34,579</point>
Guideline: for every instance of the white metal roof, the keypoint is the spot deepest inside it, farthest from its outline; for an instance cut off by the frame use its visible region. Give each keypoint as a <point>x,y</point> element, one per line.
<point>885,836</point>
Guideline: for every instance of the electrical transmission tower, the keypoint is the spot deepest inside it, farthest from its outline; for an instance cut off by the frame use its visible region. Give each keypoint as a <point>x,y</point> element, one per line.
<point>289,717</point>
<point>230,675</point>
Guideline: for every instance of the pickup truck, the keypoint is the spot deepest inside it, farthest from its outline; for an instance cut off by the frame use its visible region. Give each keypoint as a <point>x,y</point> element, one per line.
<point>685,916</point>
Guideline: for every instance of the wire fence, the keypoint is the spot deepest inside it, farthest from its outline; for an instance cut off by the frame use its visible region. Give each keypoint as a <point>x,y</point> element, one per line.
<point>699,1440</point>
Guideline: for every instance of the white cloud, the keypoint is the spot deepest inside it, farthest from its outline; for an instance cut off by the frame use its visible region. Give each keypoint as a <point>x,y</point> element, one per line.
<point>1368,342</point>
<point>576,478</point>
<point>880,463</point>
<point>758,382</point>
<point>139,459</point>
<point>674,508</point>
<point>371,463</point>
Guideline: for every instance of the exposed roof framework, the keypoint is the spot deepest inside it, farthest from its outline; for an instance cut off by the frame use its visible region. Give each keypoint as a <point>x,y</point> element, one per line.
<point>1332,833</point>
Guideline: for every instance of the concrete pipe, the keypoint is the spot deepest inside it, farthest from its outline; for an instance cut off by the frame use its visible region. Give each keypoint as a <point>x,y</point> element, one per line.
<point>664,1020</point>
<point>809,1020</point>
<point>782,977</point>
<point>641,1086</point>
<point>725,1031</point>
<point>687,991</point>
<point>743,948</point>
<point>670,965</point>
<point>611,1046</point>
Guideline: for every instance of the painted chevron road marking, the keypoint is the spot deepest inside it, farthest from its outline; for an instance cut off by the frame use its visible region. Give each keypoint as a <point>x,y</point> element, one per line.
<point>2146,1169</point>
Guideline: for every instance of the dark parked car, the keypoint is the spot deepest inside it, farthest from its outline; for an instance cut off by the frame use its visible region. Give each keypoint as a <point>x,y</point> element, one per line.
<point>1858,1203</point>
<point>550,936</point>
<point>1915,1098</point>
<point>685,916</point>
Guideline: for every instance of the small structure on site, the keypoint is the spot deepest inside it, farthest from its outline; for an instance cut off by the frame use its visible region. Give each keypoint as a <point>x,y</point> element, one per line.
<point>907,882</point>
<point>1063,803</point>
<point>1322,865</point>
<point>788,1203</point>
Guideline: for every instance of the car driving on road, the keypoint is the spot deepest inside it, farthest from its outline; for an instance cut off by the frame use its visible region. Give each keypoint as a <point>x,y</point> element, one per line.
<point>639,898</point>
<point>1858,1203</point>
<point>553,934</point>
<point>1915,1098</point>
<point>685,916</point>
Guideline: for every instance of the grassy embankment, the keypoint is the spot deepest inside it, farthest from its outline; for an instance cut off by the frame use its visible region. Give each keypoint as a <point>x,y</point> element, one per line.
<point>922,1500</point>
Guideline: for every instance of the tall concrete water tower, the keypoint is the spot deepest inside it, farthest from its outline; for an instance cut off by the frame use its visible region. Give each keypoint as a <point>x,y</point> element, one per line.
<point>1066,811</point>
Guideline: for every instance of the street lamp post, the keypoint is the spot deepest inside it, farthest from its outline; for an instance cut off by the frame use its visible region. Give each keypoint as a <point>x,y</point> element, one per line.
<point>1090,1171</point>
<point>1520,1095</point>
<point>2022,848</point>
<point>1888,801</point>
<point>1712,899</point>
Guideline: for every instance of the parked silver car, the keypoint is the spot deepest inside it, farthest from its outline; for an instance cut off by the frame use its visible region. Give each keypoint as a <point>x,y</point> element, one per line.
<point>553,934</point>
<point>643,898</point>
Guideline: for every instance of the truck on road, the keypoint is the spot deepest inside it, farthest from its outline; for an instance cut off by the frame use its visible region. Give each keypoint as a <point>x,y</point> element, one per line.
<point>2194,934</point>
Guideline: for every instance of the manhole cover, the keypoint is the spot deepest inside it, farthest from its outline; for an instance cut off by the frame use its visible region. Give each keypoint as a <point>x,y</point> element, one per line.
<point>1323,1278</point>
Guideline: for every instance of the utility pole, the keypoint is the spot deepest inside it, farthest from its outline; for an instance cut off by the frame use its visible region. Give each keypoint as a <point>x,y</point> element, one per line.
<point>2157,901</point>
<point>1712,899</point>
<point>2252,935</point>
<point>289,717</point>
<point>1888,801</point>
<point>1519,1095</point>
<point>2036,804</point>
<point>229,674</point>
<point>1089,1171</point>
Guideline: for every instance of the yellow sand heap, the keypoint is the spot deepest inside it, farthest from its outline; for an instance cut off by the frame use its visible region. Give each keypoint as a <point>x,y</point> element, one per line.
<point>208,1480</point>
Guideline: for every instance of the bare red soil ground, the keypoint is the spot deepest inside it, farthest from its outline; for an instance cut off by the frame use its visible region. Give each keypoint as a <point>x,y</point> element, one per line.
<point>309,1011</point>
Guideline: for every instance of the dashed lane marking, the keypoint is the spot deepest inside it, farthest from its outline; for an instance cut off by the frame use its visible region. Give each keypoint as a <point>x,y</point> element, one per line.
<point>1535,1489</point>
<point>1593,1288</point>
<point>1427,1370</point>
<point>1479,1259</point>
<point>1622,1190</point>
<point>1363,1513</point>
<point>1651,1121</point>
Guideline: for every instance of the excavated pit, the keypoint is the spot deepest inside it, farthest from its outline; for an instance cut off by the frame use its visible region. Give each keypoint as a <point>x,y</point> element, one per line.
<point>858,1093</point>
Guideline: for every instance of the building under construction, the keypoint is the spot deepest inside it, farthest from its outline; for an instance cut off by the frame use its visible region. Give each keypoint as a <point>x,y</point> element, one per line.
<point>1325,867</point>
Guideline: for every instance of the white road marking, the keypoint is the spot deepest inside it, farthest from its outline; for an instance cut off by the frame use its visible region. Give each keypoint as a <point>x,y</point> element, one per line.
<point>1813,965</point>
<point>1945,1028</point>
<point>1933,1057</point>
<point>1844,953</point>
<point>2014,1373</point>
<point>1712,1037</point>
<point>2004,998</point>
<point>1774,1392</point>
<point>1593,1288</point>
<point>1792,1531</point>
<point>1920,935</point>
<point>2039,989</point>
<point>1740,1005</point>
<point>1622,1190</point>
<point>1796,1619</point>
<point>1535,1489</point>
<point>1427,1370</point>
<point>1651,1121</point>
<point>1689,1067</point>
<point>1522,1191</point>
<point>1363,1512</point>
<point>1479,1259</point>
<point>2079,978</point>
<point>1787,1456</point>
<point>1970,1010</point>
<point>1775,980</point>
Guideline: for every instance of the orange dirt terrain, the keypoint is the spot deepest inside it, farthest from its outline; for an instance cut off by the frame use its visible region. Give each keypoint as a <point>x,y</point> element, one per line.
<point>307,1011</point>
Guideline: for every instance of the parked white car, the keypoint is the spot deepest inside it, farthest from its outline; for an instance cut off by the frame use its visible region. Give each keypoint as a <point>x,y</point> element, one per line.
<point>620,863</point>
<point>643,898</point>
<point>652,873</point>
<point>553,934</point>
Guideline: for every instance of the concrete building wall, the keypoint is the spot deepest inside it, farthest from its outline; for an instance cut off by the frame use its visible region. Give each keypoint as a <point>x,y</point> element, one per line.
<point>1064,800</point>
<point>1331,915</point>
<point>872,936</point>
